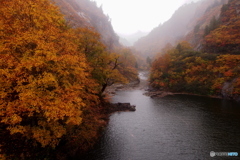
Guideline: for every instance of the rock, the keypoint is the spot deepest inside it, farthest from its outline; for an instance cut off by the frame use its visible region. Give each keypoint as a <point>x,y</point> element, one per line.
<point>227,91</point>
<point>120,87</point>
<point>121,107</point>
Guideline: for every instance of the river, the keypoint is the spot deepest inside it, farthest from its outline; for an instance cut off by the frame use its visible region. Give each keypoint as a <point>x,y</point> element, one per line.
<point>179,127</point>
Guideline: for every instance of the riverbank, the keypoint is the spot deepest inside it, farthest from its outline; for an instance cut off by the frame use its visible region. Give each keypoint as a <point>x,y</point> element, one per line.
<point>160,94</point>
<point>143,84</point>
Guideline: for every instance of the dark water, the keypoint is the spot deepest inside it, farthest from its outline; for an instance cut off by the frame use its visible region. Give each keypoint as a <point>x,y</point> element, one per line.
<point>170,128</point>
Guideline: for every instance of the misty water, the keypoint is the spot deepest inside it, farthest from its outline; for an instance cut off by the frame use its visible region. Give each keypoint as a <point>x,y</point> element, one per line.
<point>179,127</point>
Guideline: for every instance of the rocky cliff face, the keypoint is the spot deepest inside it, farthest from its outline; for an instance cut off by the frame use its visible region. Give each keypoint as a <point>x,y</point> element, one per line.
<point>86,13</point>
<point>227,91</point>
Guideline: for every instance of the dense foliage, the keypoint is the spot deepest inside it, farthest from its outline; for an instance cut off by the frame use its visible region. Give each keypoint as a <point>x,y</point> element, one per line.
<point>226,37</point>
<point>181,69</point>
<point>107,68</point>
<point>52,77</point>
<point>212,71</point>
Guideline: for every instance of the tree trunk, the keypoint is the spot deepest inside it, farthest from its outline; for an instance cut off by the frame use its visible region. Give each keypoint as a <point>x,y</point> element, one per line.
<point>104,86</point>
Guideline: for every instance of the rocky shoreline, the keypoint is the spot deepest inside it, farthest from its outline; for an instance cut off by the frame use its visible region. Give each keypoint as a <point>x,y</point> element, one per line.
<point>153,93</point>
<point>159,94</point>
<point>116,107</point>
<point>111,90</point>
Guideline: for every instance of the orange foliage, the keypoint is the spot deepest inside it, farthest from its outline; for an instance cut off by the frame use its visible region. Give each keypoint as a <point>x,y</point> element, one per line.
<point>107,68</point>
<point>226,38</point>
<point>182,69</point>
<point>44,80</point>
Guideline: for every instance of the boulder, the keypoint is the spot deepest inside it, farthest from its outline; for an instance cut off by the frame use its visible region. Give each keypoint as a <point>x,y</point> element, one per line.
<point>115,107</point>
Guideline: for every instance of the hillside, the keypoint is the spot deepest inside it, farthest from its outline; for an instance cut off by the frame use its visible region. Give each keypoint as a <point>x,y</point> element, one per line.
<point>211,70</point>
<point>224,37</point>
<point>181,24</point>
<point>124,42</point>
<point>85,13</point>
<point>201,24</point>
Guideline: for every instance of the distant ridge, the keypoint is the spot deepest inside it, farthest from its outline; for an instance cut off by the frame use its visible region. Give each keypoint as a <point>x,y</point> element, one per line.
<point>129,40</point>
<point>179,26</point>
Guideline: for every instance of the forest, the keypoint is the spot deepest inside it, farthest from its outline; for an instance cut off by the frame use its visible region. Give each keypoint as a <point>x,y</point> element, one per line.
<point>52,78</point>
<point>211,70</point>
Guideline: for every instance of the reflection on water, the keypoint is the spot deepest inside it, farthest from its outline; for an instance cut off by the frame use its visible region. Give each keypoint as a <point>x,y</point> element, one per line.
<point>174,127</point>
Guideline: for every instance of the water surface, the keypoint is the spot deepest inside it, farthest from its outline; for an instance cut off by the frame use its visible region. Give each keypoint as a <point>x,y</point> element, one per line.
<point>178,127</point>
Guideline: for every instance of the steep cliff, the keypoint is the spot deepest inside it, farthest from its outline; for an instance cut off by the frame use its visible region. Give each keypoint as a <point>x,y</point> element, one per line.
<point>86,13</point>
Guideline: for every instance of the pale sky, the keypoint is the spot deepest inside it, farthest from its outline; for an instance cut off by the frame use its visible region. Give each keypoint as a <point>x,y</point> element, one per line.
<point>130,16</point>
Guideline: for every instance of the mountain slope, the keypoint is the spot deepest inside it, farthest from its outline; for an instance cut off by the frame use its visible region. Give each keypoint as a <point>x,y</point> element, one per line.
<point>178,26</point>
<point>210,18</point>
<point>85,13</point>
<point>214,69</point>
<point>225,38</point>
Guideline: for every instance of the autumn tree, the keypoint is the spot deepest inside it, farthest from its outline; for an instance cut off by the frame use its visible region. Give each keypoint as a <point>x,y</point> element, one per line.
<point>226,69</point>
<point>214,23</point>
<point>181,69</point>
<point>127,64</point>
<point>44,80</point>
<point>107,68</point>
<point>159,71</point>
<point>225,38</point>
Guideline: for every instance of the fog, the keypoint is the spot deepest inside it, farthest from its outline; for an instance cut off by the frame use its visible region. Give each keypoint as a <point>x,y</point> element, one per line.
<point>131,16</point>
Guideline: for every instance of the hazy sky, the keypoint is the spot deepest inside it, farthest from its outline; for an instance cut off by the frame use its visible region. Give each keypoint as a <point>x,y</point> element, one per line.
<point>130,16</point>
